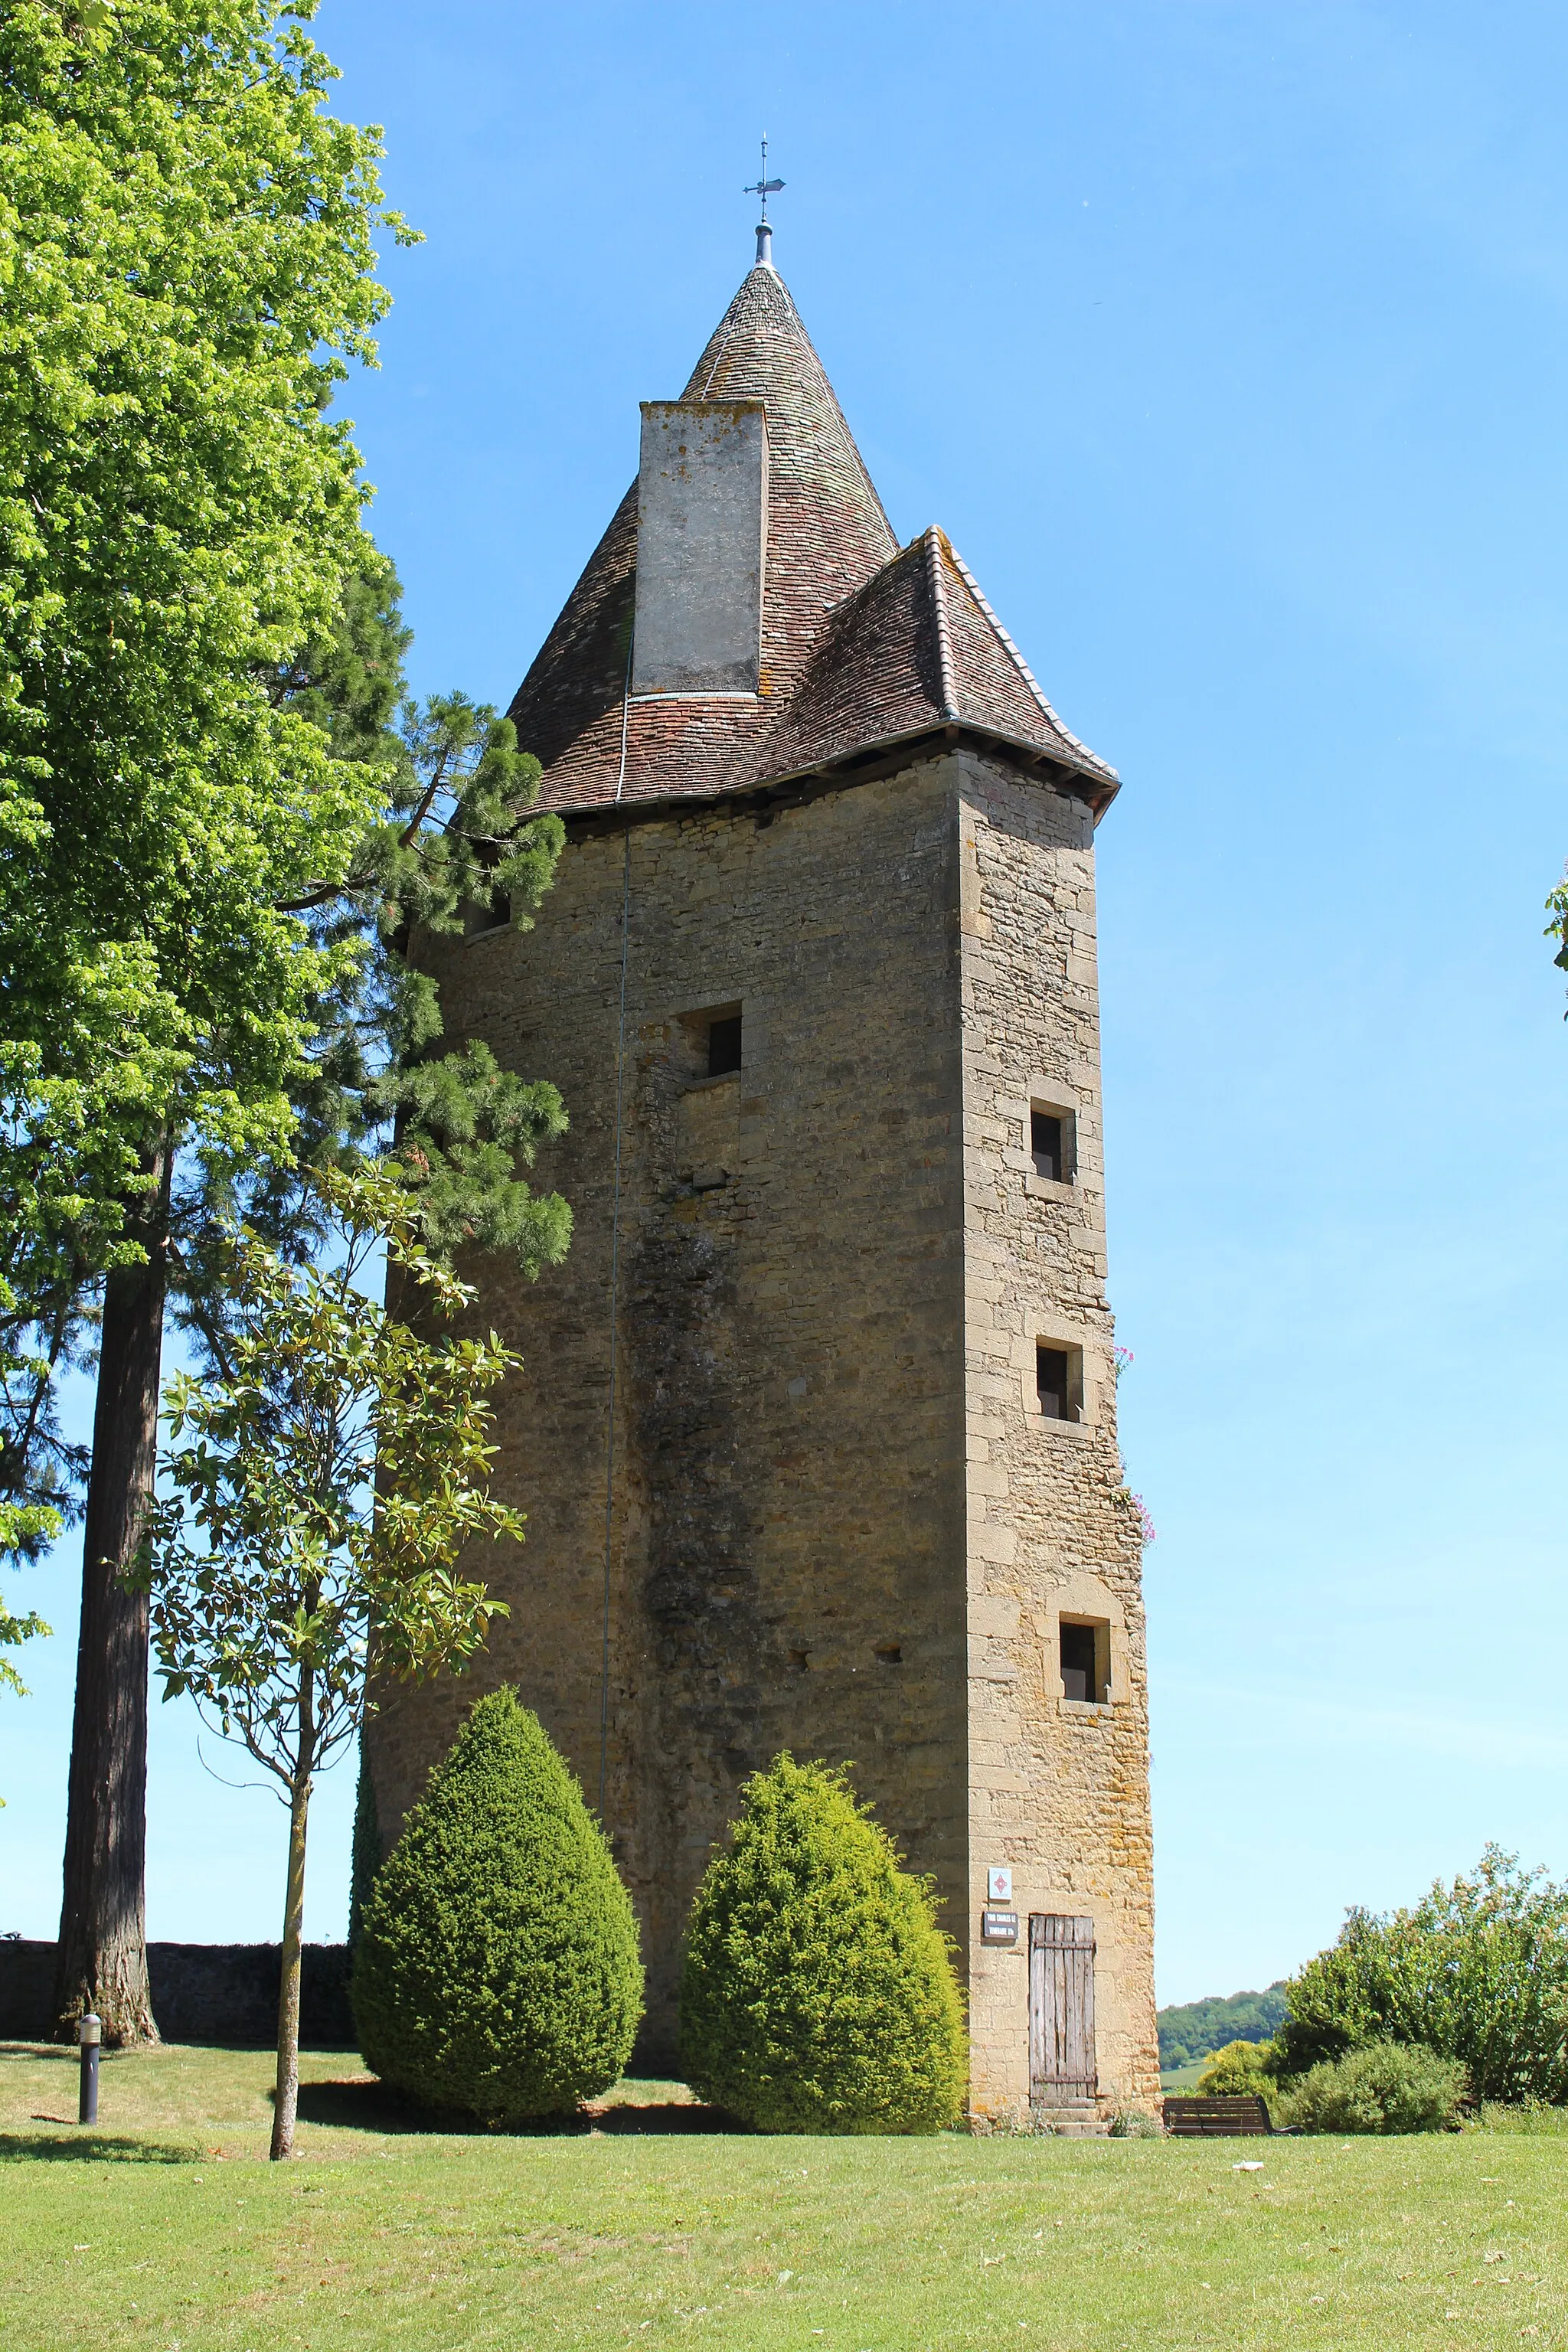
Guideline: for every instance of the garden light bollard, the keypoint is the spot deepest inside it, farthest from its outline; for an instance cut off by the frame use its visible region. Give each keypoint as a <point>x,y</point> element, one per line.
<point>89,2033</point>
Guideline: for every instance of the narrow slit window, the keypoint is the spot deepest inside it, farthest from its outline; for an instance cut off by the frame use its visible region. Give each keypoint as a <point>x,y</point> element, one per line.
<point>1046,1144</point>
<point>724,1046</point>
<point>1052,1371</point>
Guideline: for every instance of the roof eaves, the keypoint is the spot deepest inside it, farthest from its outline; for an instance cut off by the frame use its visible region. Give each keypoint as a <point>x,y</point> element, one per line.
<point>1091,758</point>
<point>1106,782</point>
<point>849,765</point>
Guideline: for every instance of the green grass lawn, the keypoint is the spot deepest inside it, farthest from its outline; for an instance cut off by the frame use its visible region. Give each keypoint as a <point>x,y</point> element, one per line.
<point>166,2227</point>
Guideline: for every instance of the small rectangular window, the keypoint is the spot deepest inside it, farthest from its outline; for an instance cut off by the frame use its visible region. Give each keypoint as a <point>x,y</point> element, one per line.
<point>724,1046</point>
<point>1086,1662</point>
<point>485,914</point>
<point>1052,1380</point>
<point>1053,1141</point>
<point>1046,1144</point>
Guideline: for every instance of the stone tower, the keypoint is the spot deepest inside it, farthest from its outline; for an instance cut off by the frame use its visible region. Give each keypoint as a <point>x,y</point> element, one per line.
<point>816,1433</point>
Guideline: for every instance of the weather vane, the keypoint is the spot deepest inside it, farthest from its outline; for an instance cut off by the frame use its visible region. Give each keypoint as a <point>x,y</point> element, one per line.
<point>764,187</point>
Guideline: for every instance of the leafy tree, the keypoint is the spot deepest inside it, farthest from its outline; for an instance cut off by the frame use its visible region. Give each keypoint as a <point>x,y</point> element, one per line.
<point>213,839</point>
<point>819,1993</point>
<point>321,1493</point>
<point>456,836</point>
<point>1476,1971</point>
<point>496,1965</point>
<point>186,254</point>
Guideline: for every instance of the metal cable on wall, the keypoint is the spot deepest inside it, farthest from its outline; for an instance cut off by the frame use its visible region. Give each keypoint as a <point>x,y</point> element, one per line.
<point>615,1243</point>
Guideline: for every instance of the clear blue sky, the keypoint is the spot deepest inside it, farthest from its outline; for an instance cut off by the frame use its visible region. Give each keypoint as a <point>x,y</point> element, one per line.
<point>1227,339</point>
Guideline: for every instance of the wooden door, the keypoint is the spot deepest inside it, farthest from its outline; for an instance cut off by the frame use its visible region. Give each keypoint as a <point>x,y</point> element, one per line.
<point>1061,2009</point>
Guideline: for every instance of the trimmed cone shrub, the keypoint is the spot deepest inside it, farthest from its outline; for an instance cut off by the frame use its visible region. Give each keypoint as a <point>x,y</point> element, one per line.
<point>819,1993</point>
<point>497,1964</point>
<point>1387,2086</point>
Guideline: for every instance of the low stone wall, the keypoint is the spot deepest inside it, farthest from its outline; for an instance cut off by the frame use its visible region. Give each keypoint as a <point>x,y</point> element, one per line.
<point>201,1993</point>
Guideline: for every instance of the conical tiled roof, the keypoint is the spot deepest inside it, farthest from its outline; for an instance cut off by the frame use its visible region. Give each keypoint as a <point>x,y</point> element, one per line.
<point>863,645</point>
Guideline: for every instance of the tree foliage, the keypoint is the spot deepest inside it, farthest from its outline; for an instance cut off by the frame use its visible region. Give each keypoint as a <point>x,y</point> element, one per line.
<point>1476,1971</point>
<point>456,840</point>
<point>220,826</point>
<point>818,1993</point>
<point>223,820</point>
<point>185,269</point>
<point>186,264</point>
<point>319,1494</point>
<point>14,1629</point>
<point>497,1967</point>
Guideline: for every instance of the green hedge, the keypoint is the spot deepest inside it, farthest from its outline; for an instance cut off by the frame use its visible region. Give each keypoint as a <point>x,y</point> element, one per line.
<point>496,1968</point>
<point>1388,2086</point>
<point>819,1993</point>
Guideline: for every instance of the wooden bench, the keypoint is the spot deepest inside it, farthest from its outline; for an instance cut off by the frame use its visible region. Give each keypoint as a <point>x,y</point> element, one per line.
<point>1239,2118</point>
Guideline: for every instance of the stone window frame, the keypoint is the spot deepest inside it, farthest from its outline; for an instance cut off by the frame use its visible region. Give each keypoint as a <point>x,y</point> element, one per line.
<point>1099,1627</point>
<point>1071,1357</point>
<point>1086,1598</point>
<point>1044,1329</point>
<point>1059,1101</point>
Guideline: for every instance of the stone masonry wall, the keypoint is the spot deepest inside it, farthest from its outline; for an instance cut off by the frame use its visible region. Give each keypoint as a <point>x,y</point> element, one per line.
<point>1058,1788</point>
<point>786,1561</point>
<point>214,1993</point>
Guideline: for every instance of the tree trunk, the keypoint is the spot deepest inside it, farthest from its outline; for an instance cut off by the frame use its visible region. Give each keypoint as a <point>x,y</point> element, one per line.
<point>286,2104</point>
<point>102,1960</point>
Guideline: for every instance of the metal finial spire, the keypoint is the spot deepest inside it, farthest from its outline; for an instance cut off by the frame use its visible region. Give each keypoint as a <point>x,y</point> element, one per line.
<point>764,187</point>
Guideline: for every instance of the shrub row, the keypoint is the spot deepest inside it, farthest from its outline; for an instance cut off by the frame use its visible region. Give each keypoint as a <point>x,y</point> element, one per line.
<point>496,1966</point>
<point>1383,2086</point>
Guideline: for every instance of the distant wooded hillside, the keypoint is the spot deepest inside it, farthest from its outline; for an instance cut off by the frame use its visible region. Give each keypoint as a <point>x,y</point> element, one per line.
<point>1195,2027</point>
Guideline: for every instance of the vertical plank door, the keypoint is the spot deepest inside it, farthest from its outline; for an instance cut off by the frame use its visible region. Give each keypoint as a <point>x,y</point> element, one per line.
<point>1061,2009</point>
